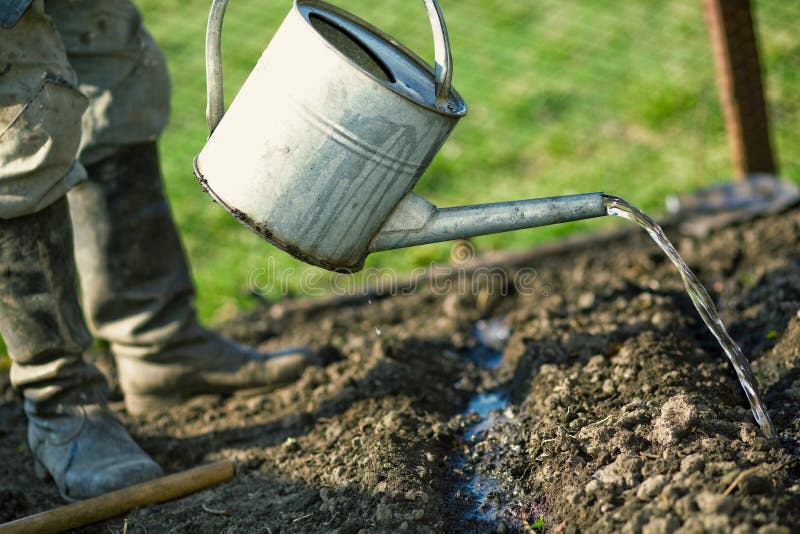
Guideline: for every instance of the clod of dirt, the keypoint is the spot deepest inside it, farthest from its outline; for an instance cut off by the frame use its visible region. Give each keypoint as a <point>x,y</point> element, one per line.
<point>651,487</point>
<point>773,529</point>
<point>692,463</point>
<point>661,525</point>
<point>623,473</point>
<point>677,416</point>
<point>713,503</point>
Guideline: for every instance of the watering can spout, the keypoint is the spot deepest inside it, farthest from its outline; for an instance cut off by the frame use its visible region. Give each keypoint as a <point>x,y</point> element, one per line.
<point>416,221</point>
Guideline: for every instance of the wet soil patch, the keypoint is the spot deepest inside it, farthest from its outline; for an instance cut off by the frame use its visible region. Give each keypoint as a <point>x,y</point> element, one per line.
<point>611,408</point>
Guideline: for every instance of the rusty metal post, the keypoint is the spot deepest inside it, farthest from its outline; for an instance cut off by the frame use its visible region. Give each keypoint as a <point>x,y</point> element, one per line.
<point>732,32</point>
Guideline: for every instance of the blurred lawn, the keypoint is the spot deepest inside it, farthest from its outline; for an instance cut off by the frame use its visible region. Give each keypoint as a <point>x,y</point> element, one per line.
<point>564,97</point>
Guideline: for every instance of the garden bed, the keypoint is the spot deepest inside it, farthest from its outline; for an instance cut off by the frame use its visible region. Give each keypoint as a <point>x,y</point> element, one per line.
<point>615,409</point>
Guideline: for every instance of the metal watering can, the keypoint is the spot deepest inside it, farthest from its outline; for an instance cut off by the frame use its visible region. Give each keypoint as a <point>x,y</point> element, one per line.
<point>322,146</point>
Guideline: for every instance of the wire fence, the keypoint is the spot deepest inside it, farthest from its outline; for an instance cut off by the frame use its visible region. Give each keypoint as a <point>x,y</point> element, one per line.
<point>564,97</point>
<point>551,82</point>
<point>632,70</point>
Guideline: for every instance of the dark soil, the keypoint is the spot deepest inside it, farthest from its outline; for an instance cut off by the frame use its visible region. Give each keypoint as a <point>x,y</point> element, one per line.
<point>623,413</point>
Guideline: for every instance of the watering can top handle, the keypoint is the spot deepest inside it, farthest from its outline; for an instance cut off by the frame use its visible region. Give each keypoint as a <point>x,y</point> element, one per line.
<point>443,69</point>
<point>215,102</point>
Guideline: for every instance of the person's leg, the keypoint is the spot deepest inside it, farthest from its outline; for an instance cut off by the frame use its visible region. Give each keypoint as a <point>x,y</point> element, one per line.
<point>136,286</point>
<point>138,294</point>
<point>71,432</point>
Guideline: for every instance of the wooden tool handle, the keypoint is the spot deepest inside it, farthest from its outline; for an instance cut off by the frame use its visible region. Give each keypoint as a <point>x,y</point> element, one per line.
<point>117,502</point>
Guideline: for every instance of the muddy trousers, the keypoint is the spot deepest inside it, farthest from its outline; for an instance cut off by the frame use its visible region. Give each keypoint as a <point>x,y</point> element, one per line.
<point>73,436</point>
<point>41,324</point>
<point>136,287</point>
<point>81,80</point>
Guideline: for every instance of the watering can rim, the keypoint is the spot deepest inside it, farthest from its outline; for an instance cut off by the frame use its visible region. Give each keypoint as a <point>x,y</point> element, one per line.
<point>215,101</point>
<point>454,97</point>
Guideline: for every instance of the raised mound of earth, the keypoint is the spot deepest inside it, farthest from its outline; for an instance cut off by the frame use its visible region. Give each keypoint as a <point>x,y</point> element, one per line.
<point>590,398</point>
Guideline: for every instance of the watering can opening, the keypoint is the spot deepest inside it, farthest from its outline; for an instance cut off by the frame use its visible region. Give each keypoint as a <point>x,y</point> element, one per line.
<point>352,48</point>
<point>381,57</point>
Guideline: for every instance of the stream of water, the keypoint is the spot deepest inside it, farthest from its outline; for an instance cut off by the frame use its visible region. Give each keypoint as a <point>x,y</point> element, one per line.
<point>704,305</point>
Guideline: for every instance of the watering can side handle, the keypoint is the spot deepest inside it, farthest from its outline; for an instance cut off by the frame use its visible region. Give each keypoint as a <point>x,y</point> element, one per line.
<point>443,58</point>
<point>215,100</point>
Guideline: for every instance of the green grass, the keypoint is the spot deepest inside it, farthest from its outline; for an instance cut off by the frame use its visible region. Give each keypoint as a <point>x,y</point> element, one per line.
<point>564,97</point>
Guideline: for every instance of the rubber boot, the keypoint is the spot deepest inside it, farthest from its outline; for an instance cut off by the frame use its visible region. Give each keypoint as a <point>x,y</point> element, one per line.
<point>138,294</point>
<point>73,435</point>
